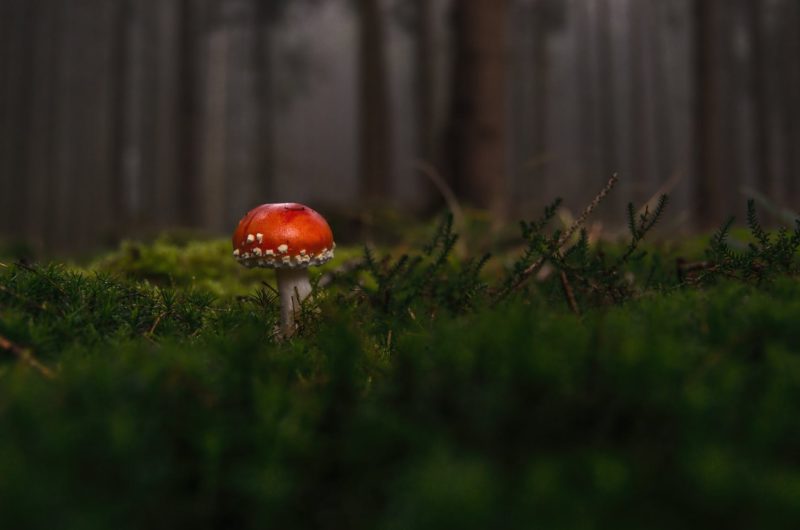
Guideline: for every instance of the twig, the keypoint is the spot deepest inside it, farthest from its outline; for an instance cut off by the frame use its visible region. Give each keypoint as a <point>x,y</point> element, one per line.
<point>156,323</point>
<point>682,267</point>
<point>569,294</point>
<point>446,191</point>
<point>26,356</point>
<point>566,236</point>
<point>580,221</point>
<point>450,199</point>
<point>665,189</point>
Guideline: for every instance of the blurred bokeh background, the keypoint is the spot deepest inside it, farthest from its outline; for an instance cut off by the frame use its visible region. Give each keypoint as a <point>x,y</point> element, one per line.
<point>121,118</point>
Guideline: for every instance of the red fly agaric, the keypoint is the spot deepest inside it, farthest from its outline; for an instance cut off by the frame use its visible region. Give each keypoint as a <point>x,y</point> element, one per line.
<point>289,238</point>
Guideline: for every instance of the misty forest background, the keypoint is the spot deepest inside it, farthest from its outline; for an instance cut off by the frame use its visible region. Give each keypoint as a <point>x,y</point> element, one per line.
<point>127,117</point>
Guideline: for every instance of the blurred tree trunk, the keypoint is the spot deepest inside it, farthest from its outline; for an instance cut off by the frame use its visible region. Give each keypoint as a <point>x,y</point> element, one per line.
<point>586,93</point>
<point>706,146</point>
<point>759,94</point>
<point>791,99</point>
<point>6,31</point>
<point>546,16</point>
<point>215,60</point>
<point>242,142</point>
<point>187,110</point>
<point>89,123</point>
<point>265,99</point>
<point>609,162</point>
<point>477,130</point>
<point>524,161</point>
<point>638,130</point>
<point>662,116</point>
<point>143,120</point>
<point>731,67</point>
<point>375,132</point>
<point>68,125</point>
<point>16,102</point>
<point>167,129</point>
<point>119,97</point>
<point>40,144</point>
<point>424,79</point>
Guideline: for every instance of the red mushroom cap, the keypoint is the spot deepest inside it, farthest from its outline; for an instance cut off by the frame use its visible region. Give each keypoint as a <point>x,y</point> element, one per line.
<point>283,235</point>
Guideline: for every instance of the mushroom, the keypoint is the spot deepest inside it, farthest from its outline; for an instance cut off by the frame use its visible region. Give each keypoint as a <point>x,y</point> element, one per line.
<point>289,238</point>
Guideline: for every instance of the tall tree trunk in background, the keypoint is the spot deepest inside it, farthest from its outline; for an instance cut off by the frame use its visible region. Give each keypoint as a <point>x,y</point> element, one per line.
<point>375,133</point>
<point>120,88</point>
<point>791,100</point>
<point>706,114</point>
<point>242,133</point>
<point>639,132</point>
<point>733,76</point>
<point>609,162</point>
<point>424,96</point>
<point>7,19</point>
<point>542,15</point>
<point>265,100</point>
<point>187,110</point>
<point>215,61</point>
<point>167,22</point>
<point>424,79</point>
<point>143,109</point>
<point>40,144</point>
<point>758,92</point>
<point>89,131</point>
<point>18,73</point>
<point>477,130</point>
<point>586,91</point>
<point>67,124</point>
<point>664,152</point>
<point>100,221</point>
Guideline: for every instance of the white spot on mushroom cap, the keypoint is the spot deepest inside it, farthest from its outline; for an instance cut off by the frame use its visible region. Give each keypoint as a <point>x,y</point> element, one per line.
<point>250,238</point>
<point>267,258</point>
<point>260,237</point>
<point>236,252</point>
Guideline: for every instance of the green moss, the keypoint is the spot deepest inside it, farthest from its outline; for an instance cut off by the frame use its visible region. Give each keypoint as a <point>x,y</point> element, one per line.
<point>411,400</point>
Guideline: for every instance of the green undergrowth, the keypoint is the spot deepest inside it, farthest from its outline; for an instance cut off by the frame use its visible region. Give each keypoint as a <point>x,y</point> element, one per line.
<point>576,385</point>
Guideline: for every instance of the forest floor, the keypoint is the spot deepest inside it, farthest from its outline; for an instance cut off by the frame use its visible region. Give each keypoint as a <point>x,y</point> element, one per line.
<point>566,382</point>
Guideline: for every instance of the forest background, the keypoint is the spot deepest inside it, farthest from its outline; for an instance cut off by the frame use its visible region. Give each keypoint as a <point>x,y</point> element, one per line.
<point>124,118</point>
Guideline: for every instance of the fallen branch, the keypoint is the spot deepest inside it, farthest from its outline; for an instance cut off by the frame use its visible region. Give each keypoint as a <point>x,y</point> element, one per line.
<point>26,356</point>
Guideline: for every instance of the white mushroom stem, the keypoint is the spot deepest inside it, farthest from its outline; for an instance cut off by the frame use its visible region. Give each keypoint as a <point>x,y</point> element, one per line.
<point>293,288</point>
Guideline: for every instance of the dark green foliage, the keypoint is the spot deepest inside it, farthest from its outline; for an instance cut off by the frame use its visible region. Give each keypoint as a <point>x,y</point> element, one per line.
<point>767,256</point>
<point>428,281</point>
<point>596,279</point>
<point>405,401</point>
<point>538,244</point>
